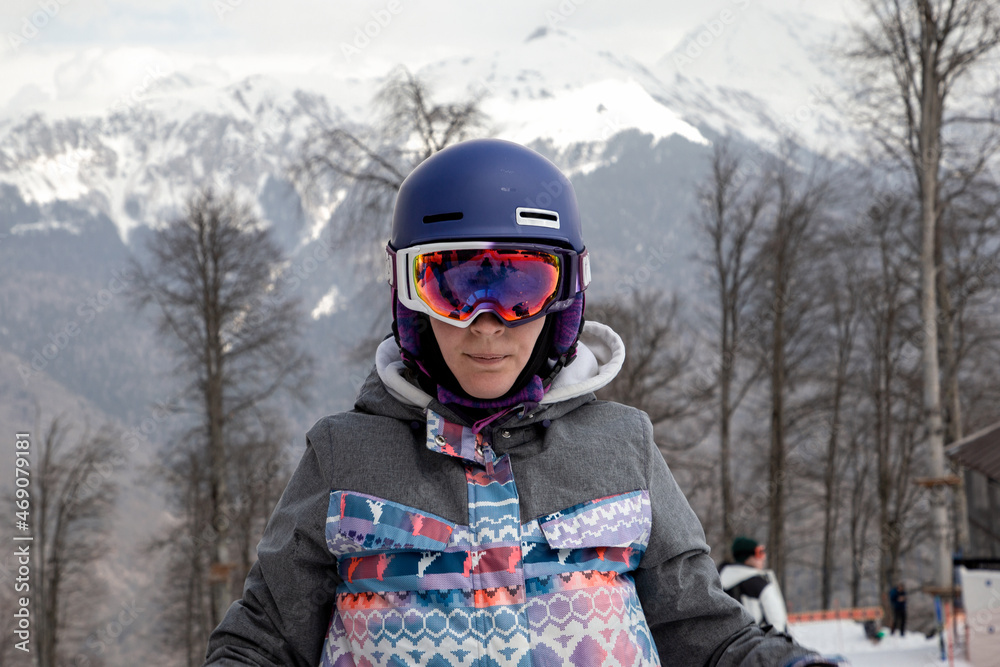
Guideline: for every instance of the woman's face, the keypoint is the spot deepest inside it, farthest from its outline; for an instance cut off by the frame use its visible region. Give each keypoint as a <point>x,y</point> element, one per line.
<point>486,357</point>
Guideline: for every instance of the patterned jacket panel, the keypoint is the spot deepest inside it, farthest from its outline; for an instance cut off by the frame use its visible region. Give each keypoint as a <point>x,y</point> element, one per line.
<point>420,590</point>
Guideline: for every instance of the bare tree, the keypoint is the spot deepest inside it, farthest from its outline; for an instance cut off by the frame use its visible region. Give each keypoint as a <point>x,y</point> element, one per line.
<point>214,277</point>
<point>658,374</point>
<point>890,335</point>
<point>861,510</point>
<point>730,209</point>
<point>843,296</point>
<point>786,305</point>
<point>185,545</point>
<point>930,47</point>
<point>364,165</point>
<point>374,160</point>
<point>257,479</point>
<point>72,498</point>
<point>885,305</point>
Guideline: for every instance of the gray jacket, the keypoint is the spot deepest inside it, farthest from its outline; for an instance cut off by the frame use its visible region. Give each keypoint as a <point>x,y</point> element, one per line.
<point>320,561</point>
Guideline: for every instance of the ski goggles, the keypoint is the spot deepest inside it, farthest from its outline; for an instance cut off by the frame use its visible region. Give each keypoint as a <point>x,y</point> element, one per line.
<point>455,282</point>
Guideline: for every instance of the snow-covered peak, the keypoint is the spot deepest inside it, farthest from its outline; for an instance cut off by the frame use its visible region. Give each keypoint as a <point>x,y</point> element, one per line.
<point>594,112</point>
<point>556,87</point>
<point>547,61</point>
<point>759,72</point>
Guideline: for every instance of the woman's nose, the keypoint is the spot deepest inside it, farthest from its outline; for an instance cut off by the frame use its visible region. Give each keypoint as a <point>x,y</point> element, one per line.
<point>487,323</point>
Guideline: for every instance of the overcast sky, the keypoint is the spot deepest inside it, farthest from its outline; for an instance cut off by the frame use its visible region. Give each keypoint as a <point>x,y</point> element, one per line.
<point>73,56</point>
<point>416,31</point>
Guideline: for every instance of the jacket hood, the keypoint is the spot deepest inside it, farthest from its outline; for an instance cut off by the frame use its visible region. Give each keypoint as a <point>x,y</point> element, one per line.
<point>599,358</point>
<point>734,573</point>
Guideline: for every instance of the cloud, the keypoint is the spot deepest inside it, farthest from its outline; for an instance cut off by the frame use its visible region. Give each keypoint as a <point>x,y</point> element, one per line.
<point>436,26</point>
<point>242,35</point>
<point>84,23</point>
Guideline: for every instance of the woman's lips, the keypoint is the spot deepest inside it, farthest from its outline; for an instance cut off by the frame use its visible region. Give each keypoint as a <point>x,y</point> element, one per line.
<point>487,358</point>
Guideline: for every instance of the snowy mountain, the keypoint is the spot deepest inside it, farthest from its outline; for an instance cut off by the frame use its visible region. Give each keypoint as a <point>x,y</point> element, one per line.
<point>139,164</point>
<point>136,157</point>
<point>137,160</point>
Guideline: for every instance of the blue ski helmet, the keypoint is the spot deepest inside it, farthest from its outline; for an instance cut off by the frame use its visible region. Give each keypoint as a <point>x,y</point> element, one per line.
<point>486,189</point>
<point>490,190</point>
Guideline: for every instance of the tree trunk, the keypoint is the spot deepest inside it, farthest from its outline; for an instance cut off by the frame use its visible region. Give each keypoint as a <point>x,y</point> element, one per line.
<point>930,156</point>
<point>857,543</point>
<point>884,432</point>
<point>883,406</point>
<point>830,493</point>
<point>952,397</point>
<point>776,477</point>
<point>725,419</point>
<point>214,412</point>
<point>220,590</point>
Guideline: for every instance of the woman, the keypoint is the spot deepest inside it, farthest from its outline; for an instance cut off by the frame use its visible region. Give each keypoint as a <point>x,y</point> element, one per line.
<point>479,506</point>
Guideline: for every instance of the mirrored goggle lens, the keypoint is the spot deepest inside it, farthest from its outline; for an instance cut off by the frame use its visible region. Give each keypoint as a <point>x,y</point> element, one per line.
<point>516,284</point>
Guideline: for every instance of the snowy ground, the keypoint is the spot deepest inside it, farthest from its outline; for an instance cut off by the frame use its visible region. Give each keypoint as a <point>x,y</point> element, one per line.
<point>847,639</point>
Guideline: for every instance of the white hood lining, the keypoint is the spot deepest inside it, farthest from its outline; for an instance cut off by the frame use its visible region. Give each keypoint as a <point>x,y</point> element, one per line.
<point>599,357</point>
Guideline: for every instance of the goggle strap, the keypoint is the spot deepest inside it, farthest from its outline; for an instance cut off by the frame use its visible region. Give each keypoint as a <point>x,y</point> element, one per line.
<point>390,267</point>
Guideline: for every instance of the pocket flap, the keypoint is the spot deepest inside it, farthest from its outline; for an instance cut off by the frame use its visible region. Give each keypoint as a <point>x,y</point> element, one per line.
<point>614,521</point>
<point>376,524</point>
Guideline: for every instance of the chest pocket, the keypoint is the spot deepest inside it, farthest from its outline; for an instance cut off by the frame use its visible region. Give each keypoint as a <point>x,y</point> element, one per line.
<point>357,523</point>
<point>607,534</point>
<point>383,546</point>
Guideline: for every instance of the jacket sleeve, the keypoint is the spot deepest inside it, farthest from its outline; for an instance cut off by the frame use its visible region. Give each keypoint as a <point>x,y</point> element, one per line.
<point>289,593</point>
<point>693,621</point>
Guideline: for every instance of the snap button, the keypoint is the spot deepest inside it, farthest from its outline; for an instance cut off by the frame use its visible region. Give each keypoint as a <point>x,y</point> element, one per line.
<point>440,440</point>
<point>505,434</point>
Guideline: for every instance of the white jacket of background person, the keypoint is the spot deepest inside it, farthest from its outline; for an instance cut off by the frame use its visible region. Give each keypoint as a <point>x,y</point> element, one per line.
<point>759,592</point>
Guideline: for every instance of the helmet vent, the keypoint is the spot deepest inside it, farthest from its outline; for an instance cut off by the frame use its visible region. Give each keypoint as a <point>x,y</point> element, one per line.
<point>442,217</point>
<point>537,217</point>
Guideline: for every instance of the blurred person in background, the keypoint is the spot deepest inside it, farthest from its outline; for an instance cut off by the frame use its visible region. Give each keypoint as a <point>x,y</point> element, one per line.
<point>748,581</point>
<point>897,599</point>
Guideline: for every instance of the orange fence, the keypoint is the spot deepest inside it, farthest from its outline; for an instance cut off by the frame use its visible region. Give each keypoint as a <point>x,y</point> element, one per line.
<point>852,614</point>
